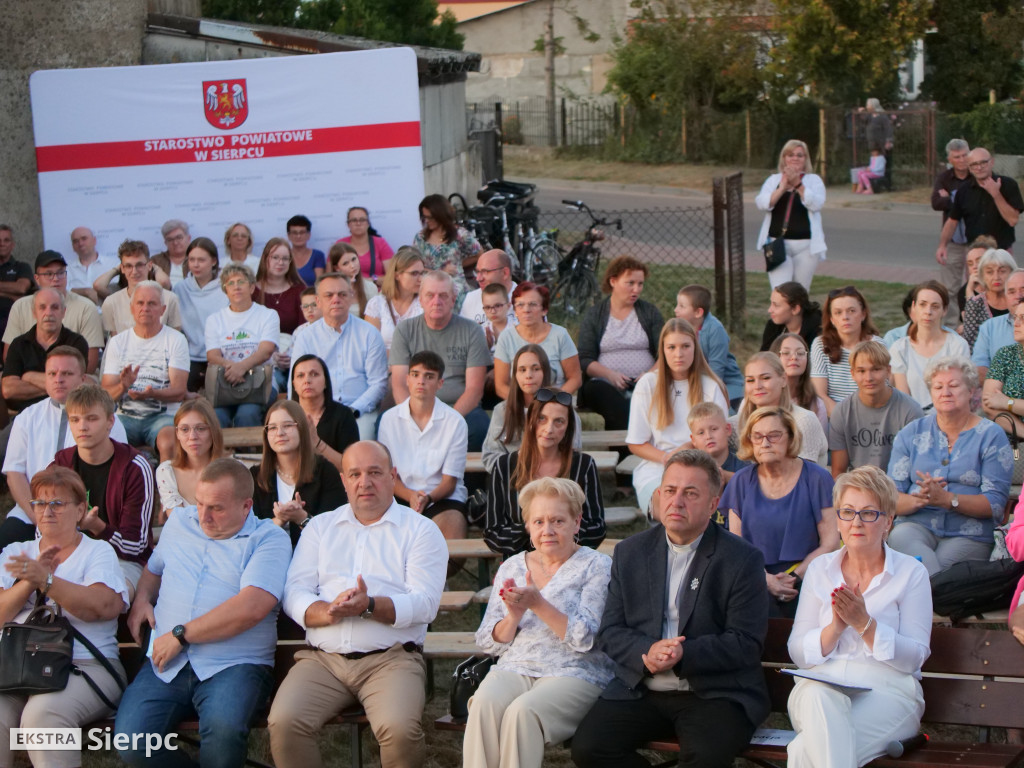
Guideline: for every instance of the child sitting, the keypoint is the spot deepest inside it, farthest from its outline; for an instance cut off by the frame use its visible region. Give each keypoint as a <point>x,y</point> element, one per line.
<point>861,177</point>
<point>494,298</point>
<point>693,304</point>
<point>709,432</point>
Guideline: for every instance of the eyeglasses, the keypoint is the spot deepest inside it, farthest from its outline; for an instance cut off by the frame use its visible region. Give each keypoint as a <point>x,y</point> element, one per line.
<point>240,283</point>
<point>1018,319</point>
<point>479,271</point>
<point>425,218</point>
<point>528,305</point>
<point>272,429</point>
<point>794,353</point>
<point>308,307</point>
<point>59,273</point>
<point>494,307</point>
<point>849,290</point>
<point>185,430</point>
<point>866,515</point>
<point>547,395</point>
<point>134,267</point>
<point>178,238</point>
<point>39,506</point>
<point>417,273</point>
<point>358,221</point>
<point>979,163</point>
<point>280,259</point>
<point>772,437</point>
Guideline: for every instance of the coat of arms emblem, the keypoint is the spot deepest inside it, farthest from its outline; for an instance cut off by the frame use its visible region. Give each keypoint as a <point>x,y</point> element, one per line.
<point>225,103</point>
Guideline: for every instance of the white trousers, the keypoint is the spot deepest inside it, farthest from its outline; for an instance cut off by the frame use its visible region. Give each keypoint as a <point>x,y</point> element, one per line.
<point>800,265</point>
<point>836,730</point>
<point>512,717</point>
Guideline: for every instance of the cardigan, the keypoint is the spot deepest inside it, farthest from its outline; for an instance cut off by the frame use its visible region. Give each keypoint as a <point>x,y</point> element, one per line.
<point>595,321</point>
<point>323,493</point>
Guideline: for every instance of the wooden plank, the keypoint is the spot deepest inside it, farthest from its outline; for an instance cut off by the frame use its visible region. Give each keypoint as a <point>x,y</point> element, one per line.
<point>449,645</point>
<point>608,546</point>
<point>605,461</point>
<point>615,516</point>
<point>456,601</point>
<point>470,548</point>
<point>243,437</point>
<point>602,439</point>
<point>627,465</point>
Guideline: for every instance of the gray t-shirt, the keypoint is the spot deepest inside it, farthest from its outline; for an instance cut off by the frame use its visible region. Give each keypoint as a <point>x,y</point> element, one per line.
<point>461,344</point>
<point>866,434</point>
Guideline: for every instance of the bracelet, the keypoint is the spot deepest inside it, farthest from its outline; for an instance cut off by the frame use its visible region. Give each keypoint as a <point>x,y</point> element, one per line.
<point>49,583</point>
<point>871,620</point>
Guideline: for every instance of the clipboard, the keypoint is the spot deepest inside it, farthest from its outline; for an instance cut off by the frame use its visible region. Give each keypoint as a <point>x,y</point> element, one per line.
<point>822,678</point>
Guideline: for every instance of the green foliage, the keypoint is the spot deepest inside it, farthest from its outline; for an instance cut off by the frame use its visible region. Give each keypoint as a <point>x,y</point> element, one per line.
<point>414,22</point>
<point>997,127</point>
<point>846,50</point>
<point>977,47</point>
<point>278,13</point>
<point>539,47</point>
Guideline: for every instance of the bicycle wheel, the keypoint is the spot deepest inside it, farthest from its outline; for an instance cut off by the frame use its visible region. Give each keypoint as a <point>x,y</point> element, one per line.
<point>576,290</point>
<point>545,258</point>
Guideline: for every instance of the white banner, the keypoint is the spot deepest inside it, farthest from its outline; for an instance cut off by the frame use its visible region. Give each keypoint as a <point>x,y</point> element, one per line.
<point>121,150</point>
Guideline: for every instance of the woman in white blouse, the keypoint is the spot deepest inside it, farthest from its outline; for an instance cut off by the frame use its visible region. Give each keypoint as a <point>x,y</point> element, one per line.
<point>198,440</point>
<point>541,621</point>
<point>398,299</point>
<point>864,619</point>
<point>926,340</point>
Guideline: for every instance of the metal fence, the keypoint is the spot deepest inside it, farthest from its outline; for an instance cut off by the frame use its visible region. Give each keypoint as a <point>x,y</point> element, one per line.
<point>578,123</point>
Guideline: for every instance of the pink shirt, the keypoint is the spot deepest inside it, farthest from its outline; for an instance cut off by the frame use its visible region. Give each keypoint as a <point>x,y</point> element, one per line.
<point>383,253</point>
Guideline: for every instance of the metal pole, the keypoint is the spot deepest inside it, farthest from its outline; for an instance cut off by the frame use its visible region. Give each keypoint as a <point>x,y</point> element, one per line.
<point>748,137</point>
<point>718,205</point>
<point>822,153</point>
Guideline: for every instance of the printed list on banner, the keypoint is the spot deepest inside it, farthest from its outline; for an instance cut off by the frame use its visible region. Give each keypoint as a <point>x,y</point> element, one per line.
<point>214,143</point>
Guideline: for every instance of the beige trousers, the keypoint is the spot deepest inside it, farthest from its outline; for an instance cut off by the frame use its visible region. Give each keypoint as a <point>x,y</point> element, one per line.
<point>512,717</point>
<point>75,706</point>
<point>390,686</point>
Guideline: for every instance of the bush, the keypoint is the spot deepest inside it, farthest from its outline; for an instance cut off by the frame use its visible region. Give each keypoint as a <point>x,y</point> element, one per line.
<point>512,130</point>
<point>997,127</point>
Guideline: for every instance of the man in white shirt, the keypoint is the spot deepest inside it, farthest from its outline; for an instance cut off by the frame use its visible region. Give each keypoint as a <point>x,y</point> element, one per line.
<point>492,267</point>
<point>352,349</point>
<point>365,580</point>
<point>145,371</point>
<point>37,433</point>
<point>88,266</point>
<point>428,440</point>
<point>80,316</point>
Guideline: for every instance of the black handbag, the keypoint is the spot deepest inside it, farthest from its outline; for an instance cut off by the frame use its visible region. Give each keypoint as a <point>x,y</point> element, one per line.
<point>36,656</point>
<point>254,388</point>
<point>465,680</point>
<point>974,587</point>
<point>1018,465</point>
<point>775,249</point>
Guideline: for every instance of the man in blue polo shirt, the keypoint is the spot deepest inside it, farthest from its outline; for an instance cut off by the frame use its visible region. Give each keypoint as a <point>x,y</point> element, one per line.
<point>997,332</point>
<point>210,593</point>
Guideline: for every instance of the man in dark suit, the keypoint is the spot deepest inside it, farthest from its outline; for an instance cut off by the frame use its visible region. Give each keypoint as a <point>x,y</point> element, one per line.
<point>685,621</point>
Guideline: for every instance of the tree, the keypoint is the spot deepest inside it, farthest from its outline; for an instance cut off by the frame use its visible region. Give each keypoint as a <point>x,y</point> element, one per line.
<point>277,13</point>
<point>414,22</point>
<point>977,47</point>
<point>844,50</point>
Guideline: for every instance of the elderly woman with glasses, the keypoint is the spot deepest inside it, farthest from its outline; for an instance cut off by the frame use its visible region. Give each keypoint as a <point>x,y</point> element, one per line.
<point>293,482</point>
<point>845,323</point>
<point>994,268</point>
<point>952,469</point>
<point>546,451</point>
<point>198,441</point>
<point>864,619</point>
<point>781,504</point>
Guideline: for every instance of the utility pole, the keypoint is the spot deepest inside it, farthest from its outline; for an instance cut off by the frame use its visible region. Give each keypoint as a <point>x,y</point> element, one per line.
<point>549,73</point>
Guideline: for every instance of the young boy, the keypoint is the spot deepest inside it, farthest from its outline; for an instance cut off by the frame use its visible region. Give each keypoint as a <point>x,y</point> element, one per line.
<point>310,309</point>
<point>494,298</point>
<point>693,304</point>
<point>709,432</point>
<point>428,441</point>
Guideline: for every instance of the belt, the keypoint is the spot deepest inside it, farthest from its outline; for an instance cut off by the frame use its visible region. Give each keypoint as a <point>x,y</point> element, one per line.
<point>409,647</point>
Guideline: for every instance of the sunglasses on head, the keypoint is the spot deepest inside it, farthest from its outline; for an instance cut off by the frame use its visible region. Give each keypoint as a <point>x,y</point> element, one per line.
<point>849,290</point>
<point>547,395</point>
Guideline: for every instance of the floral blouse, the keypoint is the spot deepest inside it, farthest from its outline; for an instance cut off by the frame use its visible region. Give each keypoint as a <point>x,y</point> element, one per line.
<point>462,247</point>
<point>976,312</point>
<point>578,589</point>
<point>981,462</point>
<point>1008,367</point>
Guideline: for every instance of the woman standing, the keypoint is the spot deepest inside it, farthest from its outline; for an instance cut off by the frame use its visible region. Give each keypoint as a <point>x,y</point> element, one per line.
<point>993,268</point>
<point>661,401</point>
<point>198,441</point>
<point>332,424</point>
<point>781,504</point>
<point>199,296</point>
<point>292,482</point>
<point>398,299</point>
<point>278,285</point>
<point>794,353</point>
<point>865,616</point>
<point>547,451</point>
<point>846,323</point>
<point>531,302</point>
<point>372,249</point>
<point>925,340</point>
<point>541,620</point>
<point>444,244</point>
<point>531,371</point>
<point>766,385</point>
<point>342,258</point>
<point>618,341</point>
<point>238,244</point>
<point>81,575</point>
<point>791,311</point>
<point>309,262</point>
<point>792,200</point>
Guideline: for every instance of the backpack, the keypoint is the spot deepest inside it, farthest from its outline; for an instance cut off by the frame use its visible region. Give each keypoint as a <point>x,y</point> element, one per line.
<point>973,587</point>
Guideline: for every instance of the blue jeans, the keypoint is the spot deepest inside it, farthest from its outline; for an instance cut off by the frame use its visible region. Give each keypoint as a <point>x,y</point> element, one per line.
<point>477,423</point>
<point>244,415</point>
<point>143,430</point>
<point>226,703</point>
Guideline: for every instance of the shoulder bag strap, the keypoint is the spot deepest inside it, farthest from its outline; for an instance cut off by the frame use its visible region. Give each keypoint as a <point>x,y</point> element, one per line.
<point>373,257</point>
<point>789,210</point>
<point>104,662</point>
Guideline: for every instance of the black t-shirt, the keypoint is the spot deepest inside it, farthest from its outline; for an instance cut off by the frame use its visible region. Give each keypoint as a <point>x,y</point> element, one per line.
<point>337,427</point>
<point>11,271</point>
<point>25,354</point>
<point>799,222</point>
<point>95,478</point>
<point>979,213</point>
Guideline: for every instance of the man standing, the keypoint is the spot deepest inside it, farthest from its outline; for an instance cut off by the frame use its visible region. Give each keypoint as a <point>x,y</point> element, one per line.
<point>145,371</point>
<point>988,204</point>
<point>89,265</point>
<point>947,184</point>
<point>685,621</point>
<point>24,377</point>
<point>37,433</point>
<point>997,332</point>
<point>210,594</point>
<point>352,349</point>
<point>492,267</point>
<point>15,277</point>
<point>365,581</point>
<point>459,342</point>
<point>862,428</point>
<point>80,314</point>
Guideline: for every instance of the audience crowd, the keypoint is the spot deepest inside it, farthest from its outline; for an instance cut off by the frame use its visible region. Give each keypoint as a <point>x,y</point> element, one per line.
<point>824,479</point>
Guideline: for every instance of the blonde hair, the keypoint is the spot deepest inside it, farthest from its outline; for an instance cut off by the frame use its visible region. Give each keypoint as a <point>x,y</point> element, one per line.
<point>870,479</point>
<point>705,410</point>
<point>746,451</point>
<point>788,148</point>
<point>561,488</point>
<point>773,361</point>
<point>661,412</point>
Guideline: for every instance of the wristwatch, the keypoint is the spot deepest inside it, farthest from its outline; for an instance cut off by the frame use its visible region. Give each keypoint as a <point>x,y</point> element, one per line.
<point>179,633</point>
<point>955,503</point>
<point>368,613</point>
<point>1009,405</point>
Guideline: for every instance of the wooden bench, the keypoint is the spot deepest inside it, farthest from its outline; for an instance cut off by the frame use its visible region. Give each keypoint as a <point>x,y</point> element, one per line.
<point>972,678</point>
<point>604,460</point>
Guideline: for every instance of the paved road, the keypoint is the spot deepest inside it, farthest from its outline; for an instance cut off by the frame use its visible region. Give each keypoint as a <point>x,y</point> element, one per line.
<point>866,238</point>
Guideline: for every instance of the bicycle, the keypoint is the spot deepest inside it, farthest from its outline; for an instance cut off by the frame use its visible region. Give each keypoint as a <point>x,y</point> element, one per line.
<point>577,286</point>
